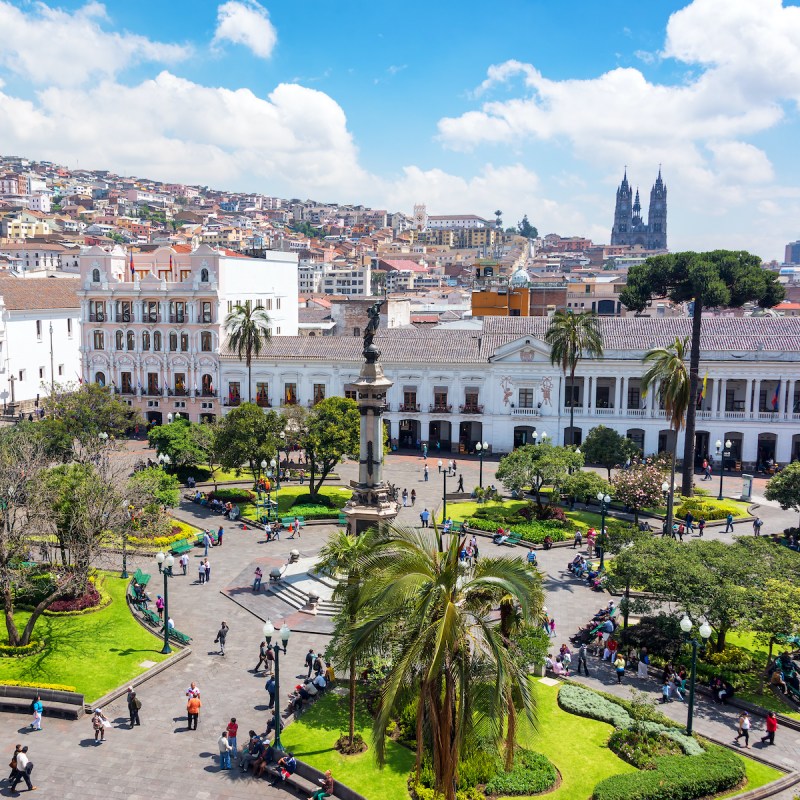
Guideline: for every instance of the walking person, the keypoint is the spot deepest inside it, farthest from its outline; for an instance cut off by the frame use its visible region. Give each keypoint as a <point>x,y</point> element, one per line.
<point>13,763</point>
<point>743,725</point>
<point>23,770</point>
<point>460,487</point>
<point>309,662</point>
<point>772,727</point>
<point>257,580</point>
<point>201,572</point>
<point>757,523</point>
<point>99,724</point>
<point>425,472</point>
<point>184,562</point>
<point>405,498</point>
<point>619,666</point>
<point>728,523</point>
<point>38,709</point>
<point>701,527</point>
<point>160,606</point>
<point>134,704</point>
<point>424,517</point>
<point>413,497</point>
<point>220,534</point>
<point>207,570</point>
<point>270,687</point>
<point>552,626</point>
<point>689,520</point>
<point>262,656</point>
<point>582,660</point>
<point>206,542</point>
<point>224,751</point>
<point>222,634</point>
<point>578,540</point>
<point>193,705</point>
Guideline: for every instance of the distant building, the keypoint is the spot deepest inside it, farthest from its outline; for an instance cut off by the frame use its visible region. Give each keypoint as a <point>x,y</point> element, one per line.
<point>629,226</point>
<point>793,253</point>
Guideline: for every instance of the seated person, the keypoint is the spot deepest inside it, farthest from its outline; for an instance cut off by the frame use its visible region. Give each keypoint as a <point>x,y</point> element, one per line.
<point>462,528</point>
<point>266,758</point>
<point>777,680</point>
<point>558,667</point>
<point>548,662</point>
<point>197,496</point>
<point>287,766</point>
<point>793,681</point>
<point>330,675</point>
<point>725,692</point>
<point>234,512</point>
<point>320,683</point>
<point>548,542</point>
<point>190,482</point>
<point>141,595</point>
<point>253,751</point>
<point>500,536</point>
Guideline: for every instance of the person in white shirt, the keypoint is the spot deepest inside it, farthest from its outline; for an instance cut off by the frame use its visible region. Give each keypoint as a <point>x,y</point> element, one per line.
<point>320,682</point>
<point>23,770</point>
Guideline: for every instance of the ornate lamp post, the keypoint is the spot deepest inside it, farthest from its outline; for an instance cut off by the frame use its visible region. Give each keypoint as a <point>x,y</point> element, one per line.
<point>705,632</point>
<point>269,632</point>
<point>444,490</point>
<point>604,500</point>
<point>669,492</point>
<point>481,448</point>
<point>165,563</point>
<point>723,454</point>
<point>275,470</point>
<point>263,466</point>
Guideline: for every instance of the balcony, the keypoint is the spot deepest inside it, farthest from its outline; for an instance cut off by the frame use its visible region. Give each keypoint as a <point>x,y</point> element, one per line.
<point>526,412</point>
<point>124,316</point>
<point>98,316</point>
<point>289,401</point>
<point>471,408</point>
<point>604,412</point>
<point>206,319</point>
<point>634,412</point>
<point>412,408</point>
<point>208,393</point>
<point>178,392</point>
<point>147,317</point>
<point>440,408</point>
<point>233,401</point>
<point>126,390</point>
<point>179,318</point>
<point>152,391</point>
<point>264,402</point>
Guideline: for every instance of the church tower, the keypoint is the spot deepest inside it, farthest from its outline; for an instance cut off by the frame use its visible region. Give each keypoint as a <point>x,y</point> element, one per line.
<point>657,215</point>
<point>623,213</point>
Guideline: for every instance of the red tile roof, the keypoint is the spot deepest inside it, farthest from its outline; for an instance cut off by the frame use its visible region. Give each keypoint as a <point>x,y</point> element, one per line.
<point>21,294</point>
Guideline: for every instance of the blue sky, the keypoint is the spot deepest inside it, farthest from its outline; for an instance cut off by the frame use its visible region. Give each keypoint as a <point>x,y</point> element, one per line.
<point>530,107</point>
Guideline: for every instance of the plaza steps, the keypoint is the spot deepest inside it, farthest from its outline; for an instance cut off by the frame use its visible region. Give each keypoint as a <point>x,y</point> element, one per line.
<point>296,595</point>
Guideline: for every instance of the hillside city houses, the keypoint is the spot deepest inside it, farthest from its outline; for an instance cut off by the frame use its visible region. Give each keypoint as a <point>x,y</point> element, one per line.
<point>126,282</point>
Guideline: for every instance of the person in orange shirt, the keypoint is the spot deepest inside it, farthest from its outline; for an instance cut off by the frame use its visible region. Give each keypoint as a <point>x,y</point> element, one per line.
<point>193,710</point>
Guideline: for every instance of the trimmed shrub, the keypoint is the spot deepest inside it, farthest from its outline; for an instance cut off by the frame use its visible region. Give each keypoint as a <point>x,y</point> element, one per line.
<point>20,651</point>
<point>705,509</point>
<point>533,532</point>
<point>641,749</point>
<point>532,773</point>
<point>585,703</point>
<point>233,495</point>
<point>313,511</point>
<point>58,687</point>
<point>311,500</point>
<point>89,599</point>
<point>677,778</point>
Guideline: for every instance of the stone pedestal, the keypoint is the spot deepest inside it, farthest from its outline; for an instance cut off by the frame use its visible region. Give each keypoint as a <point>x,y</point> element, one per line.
<point>373,501</point>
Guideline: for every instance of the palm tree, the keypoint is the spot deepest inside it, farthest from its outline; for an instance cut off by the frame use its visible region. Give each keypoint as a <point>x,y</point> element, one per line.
<point>669,371</point>
<point>248,330</point>
<point>571,337</point>
<point>446,646</point>
<point>340,558</point>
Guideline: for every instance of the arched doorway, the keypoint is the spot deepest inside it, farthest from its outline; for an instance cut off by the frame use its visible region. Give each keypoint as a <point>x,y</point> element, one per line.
<point>702,447</point>
<point>409,434</point>
<point>154,417</point>
<point>765,454</point>
<point>636,435</point>
<point>469,434</point>
<point>439,432</point>
<point>606,308</point>
<point>100,378</point>
<point>734,461</point>
<point>209,418</point>
<point>573,436</point>
<point>523,434</point>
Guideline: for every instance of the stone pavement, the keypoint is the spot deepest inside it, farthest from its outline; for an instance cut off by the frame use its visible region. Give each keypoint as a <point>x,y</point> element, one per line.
<point>161,758</point>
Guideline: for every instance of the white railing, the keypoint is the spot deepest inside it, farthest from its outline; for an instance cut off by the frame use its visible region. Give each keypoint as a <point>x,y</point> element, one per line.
<point>605,412</point>
<point>634,412</point>
<point>769,416</point>
<point>704,415</point>
<point>735,414</point>
<point>577,409</point>
<point>525,412</point>
<point>658,413</point>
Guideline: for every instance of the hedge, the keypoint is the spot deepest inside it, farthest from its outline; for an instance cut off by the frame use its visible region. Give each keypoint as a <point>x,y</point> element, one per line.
<point>705,509</point>
<point>677,778</point>
<point>233,495</point>
<point>532,773</point>
<point>57,687</point>
<point>533,532</point>
<point>20,651</point>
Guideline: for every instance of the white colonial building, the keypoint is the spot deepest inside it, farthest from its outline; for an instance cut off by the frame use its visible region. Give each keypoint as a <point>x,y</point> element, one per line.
<point>152,327</point>
<point>497,384</point>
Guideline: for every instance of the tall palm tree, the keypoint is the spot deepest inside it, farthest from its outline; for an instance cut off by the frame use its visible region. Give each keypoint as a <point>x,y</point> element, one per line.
<point>340,558</point>
<point>571,337</point>
<point>669,371</point>
<point>249,331</point>
<point>445,644</point>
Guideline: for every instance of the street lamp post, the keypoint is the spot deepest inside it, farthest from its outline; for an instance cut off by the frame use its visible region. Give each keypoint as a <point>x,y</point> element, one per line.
<point>52,373</point>
<point>444,494</point>
<point>275,469</point>
<point>723,455</point>
<point>269,632</point>
<point>481,448</point>
<point>165,563</point>
<point>604,499</point>
<point>705,632</point>
<point>669,491</point>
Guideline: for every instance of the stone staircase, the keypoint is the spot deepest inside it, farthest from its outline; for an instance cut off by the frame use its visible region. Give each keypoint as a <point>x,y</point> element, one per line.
<point>307,594</point>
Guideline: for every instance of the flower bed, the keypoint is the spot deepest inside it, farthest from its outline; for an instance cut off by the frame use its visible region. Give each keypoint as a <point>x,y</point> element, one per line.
<point>89,599</point>
<point>57,687</point>
<point>20,651</point>
<point>533,532</point>
<point>232,495</point>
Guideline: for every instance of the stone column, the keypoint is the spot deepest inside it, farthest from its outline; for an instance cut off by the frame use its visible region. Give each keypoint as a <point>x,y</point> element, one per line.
<point>756,397</point>
<point>748,397</point>
<point>714,397</point>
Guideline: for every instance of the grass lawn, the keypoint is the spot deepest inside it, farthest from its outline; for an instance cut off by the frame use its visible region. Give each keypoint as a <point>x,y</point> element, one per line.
<point>758,774</point>
<point>312,737</point>
<point>467,508</point>
<point>93,652</point>
<point>288,494</point>
<point>576,745</point>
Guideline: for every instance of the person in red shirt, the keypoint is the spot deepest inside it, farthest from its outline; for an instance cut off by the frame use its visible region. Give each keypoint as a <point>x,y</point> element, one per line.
<point>772,726</point>
<point>233,729</point>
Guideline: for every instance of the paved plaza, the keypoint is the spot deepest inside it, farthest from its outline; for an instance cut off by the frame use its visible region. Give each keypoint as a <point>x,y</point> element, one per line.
<point>162,759</point>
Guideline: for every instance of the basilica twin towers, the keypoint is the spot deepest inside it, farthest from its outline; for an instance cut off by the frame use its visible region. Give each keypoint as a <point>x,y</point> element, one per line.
<point>629,226</point>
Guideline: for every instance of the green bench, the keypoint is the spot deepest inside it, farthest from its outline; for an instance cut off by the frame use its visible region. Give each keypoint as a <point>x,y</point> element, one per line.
<point>793,693</point>
<point>133,599</point>
<point>181,546</point>
<point>180,638</point>
<point>151,618</point>
<point>513,538</point>
<point>342,520</point>
<point>287,522</point>
<point>142,578</point>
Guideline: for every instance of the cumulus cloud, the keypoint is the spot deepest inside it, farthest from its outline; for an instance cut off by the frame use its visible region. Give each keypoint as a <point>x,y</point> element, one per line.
<point>62,48</point>
<point>246,23</point>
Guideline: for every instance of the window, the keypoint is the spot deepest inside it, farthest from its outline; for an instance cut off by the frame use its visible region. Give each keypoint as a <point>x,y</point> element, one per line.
<point>278,303</point>
<point>100,378</point>
<point>526,398</point>
<point>440,398</point>
<point>356,331</point>
<point>203,276</point>
<point>69,328</point>
<point>268,304</point>
<point>290,394</point>
<point>234,393</point>
<point>39,329</point>
<point>119,340</point>
<point>22,374</point>
<point>97,311</point>
<point>207,385</point>
<point>262,394</point>
<point>157,341</point>
<point>127,384</point>
<point>409,400</point>
<point>180,383</point>
<point>173,342</point>
<point>60,369</point>
<point>205,313</point>
<point>150,311</point>
<point>633,398</point>
<point>152,383</point>
<point>123,311</point>
<point>319,392</point>
<point>98,340</point>
<point>145,341</point>
<point>177,311</point>
<point>41,373</point>
<point>205,341</point>
<point>575,392</point>
<point>131,340</point>
<point>95,276</point>
<point>184,342</point>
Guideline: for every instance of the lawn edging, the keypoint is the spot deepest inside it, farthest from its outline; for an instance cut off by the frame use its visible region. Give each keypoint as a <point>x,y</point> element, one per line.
<point>115,694</point>
<point>771,788</point>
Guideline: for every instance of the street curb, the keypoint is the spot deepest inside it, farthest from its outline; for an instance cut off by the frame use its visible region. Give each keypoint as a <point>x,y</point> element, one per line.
<point>769,789</point>
<point>139,680</point>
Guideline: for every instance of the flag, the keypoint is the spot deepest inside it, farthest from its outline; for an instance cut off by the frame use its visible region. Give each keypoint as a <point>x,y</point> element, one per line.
<point>133,271</point>
<point>776,397</point>
<point>170,262</point>
<point>702,394</point>
<point>80,378</point>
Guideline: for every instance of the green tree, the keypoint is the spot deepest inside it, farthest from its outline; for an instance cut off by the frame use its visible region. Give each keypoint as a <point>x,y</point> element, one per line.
<point>572,337</point>
<point>207,440</point>
<point>537,465</point>
<point>330,431</point>
<point>450,649</point>
<point>639,487</point>
<point>152,489</point>
<point>721,278</point>
<point>248,435</point>
<point>584,485</point>
<point>784,487</point>
<point>180,441</point>
<point>667,374</point>
<point>249,330</point>
<point>606,447</point>
<point>340,558</point>
<point>775,613</point>
<point>526,229</point>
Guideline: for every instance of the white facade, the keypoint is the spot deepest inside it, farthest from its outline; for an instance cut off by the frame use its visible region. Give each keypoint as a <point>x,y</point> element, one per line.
<point>326,278</point>
<point>457,221</point>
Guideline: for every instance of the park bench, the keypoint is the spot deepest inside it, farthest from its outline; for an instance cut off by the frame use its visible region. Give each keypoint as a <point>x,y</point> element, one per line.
<point>142,578</point>
<point>181,546</point>
<point>308,780</point>
<point>793,694</point>
<point>180,638</point>
<point>56,703</point>
<point>133,599</point>
<point>342,521</point>
<point>287,522</point>
<point>151,617</point>
<point>513,538</point>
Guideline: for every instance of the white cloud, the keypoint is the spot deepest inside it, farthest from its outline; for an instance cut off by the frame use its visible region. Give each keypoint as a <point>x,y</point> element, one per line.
<point>53,46</point>
<point>246,23</point>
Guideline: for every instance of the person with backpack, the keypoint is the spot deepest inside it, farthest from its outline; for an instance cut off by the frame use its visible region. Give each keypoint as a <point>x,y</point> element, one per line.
<point>134,704</point>
<point>309,662</point>
<point>318,667</point>
<point>37,709</point>
<point>287,766</point>
<point>22,772</point>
